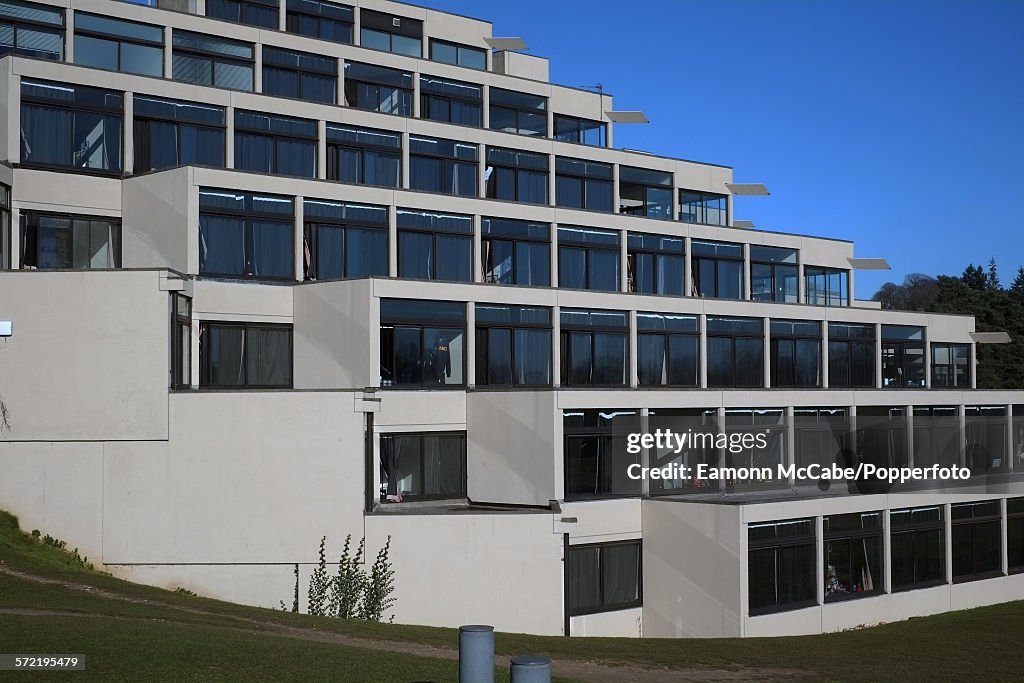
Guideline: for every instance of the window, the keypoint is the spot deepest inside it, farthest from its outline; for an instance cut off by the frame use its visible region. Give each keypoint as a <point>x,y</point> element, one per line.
<point>918,539</point>
<point>581,184</point>
<point>821,436</point>
<point>667,351</point>
<point>70,126</point>
<point>375,88</point>
<point>119,45</point>
<point>977,540</point>
<point>781,566</point>
<point>275,144</point>
<point>31,30</point>
<point>825,286</point>
<point>517,176</point>
<point>245,356</point>
<point>422,343</point>
<point>588,258</point>
<point>516,252</point>
<point>691,455</point>
<point>735,352</point>
<point>446,166</point>
<point>853,555</point>
<point>390,33</point>
<point>262,13</point>
<point>206,60</point>
<point>772,423</point>
<point>951,366</point>
<point>605,577</point>
<point>851,355</point>
<point>595,350</point>
<point>643,192</point>
<point>795,353</point>
<point>63,241</point>
<point>717,269</point>
<point>936,436</point>
<point>986,444</point>
<point>173,133</point>
<point>1015,534</point>
<point>460,55</point>
<point>442,99</point>
<point>773,274</point>
<point>655,264</point>
<point>344,239</point>
<point>364,155</point>
<point>324,20</point>
<point>425,466</point>
<point>181,341</point>
<point>582,131</point>
<point>705,208</point>
<point>513,345</point>
<point>435,246</point>
<point>517,112</point>
<point>902,356</point>
<point>5,227</point>
<point>289,73</point>
<point>245,235</point>
<point>596,459</point>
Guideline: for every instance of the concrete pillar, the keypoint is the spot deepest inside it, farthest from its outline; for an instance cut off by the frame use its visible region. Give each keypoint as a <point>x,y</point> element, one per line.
<point>617,202</point>
<point>300,240</point>
<point>623,261</point>
<point>356,27</point>
<point>702,350</point>
<point>168,52</point>
<point>341,84</point>
<point>554,256</point>
<point>909,412</point>
<point>128,158</point>
<point>551,180</point>
<point>824,352</point>
<point>485,107</point>
<point>961,414</point>
<point>405,160</point>
<point>790,455</point>
<point>767,365</point>
<point>948,528</point>
<point>556,358</point>
<point>819,535</point>
<point>849,289</point>
<point>878,355</point>
<point>1011,447</point>
<point>416,94</point>
<point>973,365</point>
<point>886,552</point>
<point>1002,537</point>
<point>551,122</point>
<point>393,242</point>
<point>687,268</point>
<point>927,364</point>
<point>478,266</point>
<point>470,345</point>
<point>634,373</point>
<point>801,286</point>
<point>257,85</point>
<point>746,294</point>
<point>69,42</point>
<point>282,15</point>
<point>321,150</point>
<point>229,137</point>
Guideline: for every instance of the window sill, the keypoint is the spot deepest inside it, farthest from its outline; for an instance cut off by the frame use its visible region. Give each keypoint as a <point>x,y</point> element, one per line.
<point>919,586</point>
<point>604,609</point>
<point>977,577</point>
<point>777,609</point>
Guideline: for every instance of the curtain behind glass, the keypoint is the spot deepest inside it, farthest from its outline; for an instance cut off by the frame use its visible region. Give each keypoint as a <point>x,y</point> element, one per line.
<point>254,153</point>
<point>226,355</point>
<point>46,135</point>
<point>366,252</point>
<point>415,255</point>
<point>532,357</point>
<point>271,254</point>
<point>454,258</point>
<point>296,157</point>
<point>268,357</point>
<point>620,574</point>
<point>651,358</point>
<point>221,245</point>
<point>584,579</point>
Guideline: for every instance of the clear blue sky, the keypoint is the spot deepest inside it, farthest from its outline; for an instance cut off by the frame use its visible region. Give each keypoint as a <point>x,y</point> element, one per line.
<point>896,124</point>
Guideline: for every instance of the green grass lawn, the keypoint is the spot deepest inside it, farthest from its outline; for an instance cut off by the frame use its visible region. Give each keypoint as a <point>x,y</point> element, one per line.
<point>133,632</point>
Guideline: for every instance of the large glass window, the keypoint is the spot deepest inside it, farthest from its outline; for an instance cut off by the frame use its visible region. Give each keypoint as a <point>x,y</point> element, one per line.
<point>376,88</point>
<point>821,436</point>
<point>181,341</point>
<point>262,13</point>
<point>581,184</point>
<point>936,436</point>
<point>70,126</point>
<point>594,347</point>
<point>977,540</point>
<point>851,355</point>
<point>518,112</point>
<point>119,45</point>
<point>446,166</point>
<point>517,176</point>
<point>364,155</point>
<point>63,241</point>
<point>582,131</point>
<point>595,455</point>
<point>795,353</point>
<point>826,286</point>
<point>918,547</point>
<point>5,227</point>
<point>513,345</point>
<point>771,422</point>
<point>773,274</point>
<point>605,577</point>
<point>643,192</point>
<point>245,235</point>
<point>1015,535</point>
<point>422,343</point>
<point>318,19</point>
<point>442,99</point>
<point>344,239</point>
<point>902,356</point>
<point>667,351</point>
<point>245,356</point>
<point>275,144</point>
<point>390,33</point>
<point>430,465</point>
<point>985,430</point>
<point>735,353</point>
<point>705,208</point>
<point>303,76</point>
<point>690,455</point>
<point>655,264</point>
<point>588,258</point>
<point>951,366</point>
<point>516,252</point>
<point>853,555</point>
<point>209,60</point>
<point>435,246</point>
<point>460,55</point>
<point>781,566</point>
<point>172,133</point>
<point>31,30</point>
<point>717,269</point>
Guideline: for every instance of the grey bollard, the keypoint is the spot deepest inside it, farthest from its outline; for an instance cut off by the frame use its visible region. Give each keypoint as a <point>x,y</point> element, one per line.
<point>530,669</point>
<point>476,654</point>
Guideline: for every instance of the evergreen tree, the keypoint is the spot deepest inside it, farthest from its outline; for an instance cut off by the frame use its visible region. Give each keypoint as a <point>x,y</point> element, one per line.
<point>1018,282</point>
<point>974,277</point>
<point>993,274</point>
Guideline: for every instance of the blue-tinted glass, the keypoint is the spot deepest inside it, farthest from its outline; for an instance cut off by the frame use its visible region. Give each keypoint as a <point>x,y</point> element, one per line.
<point>199,41</point>
<point>415,255</point>
<point>472,58</point>
<point>235,76</point>
<point>684,360</point>
<point>378,40</point>
<point>296,157</point>
<point>192,69</point>
<point>221,245</point>
<point>454,258</point>
<point>444,52</point>
<point>96,52</point>
<point>532,357</point>
<point>280,82</point>
<point>533,187</point>
<point>32,12</point>
<point>464,179</point>
<point>146,60</point>
<point>318,88</point>
<point>499,356</point>
<point>730,280</point>
<point>335,31</point>
<point>670,275</point>
<point>271,249</point>
<point>405,45</point>
<point>581,360</point>
<point>425,173</point>
<point>650,359</point>
<point>569,192</point>
<point>533,264</point>
<point>254,152</point>
<point>659,202</point>
<point>644,274</point>
<point>367,252</point>
<point>118,27</point>
<point>599,195</point>
<point>382,169</point>
<point>572,267</point>
<point>498,260</point>
<point>330,252</point>
<point>609,358</point>
<point>603,269</point>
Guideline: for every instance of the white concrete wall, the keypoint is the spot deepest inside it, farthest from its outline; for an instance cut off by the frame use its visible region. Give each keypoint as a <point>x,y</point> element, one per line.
<point>336,335</point>
<point>156,226</point>
<point>623,623</point>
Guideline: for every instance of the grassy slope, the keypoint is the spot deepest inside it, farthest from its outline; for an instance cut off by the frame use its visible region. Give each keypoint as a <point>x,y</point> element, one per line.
<point>220,642</point>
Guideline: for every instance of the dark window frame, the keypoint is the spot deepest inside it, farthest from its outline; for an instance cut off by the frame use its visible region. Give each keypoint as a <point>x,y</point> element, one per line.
<point>335,148</point>
<point>1014,523</point>
<point>435,233</point>
<point>733,336</point>
<point>299,71</point>
<point>351,90</point>
<point>850,343</point>
<point>898,347</point>
<point>204,360</point>
<point>447,164</point>
<point>696,261</point>
<point>950,348</point>
<point>517,111</point>
<point>776,278</point>
<point>310,235</point>
<point>603,435</point>
<point>854,535</point>
<point>566,332</point>
<point>247,216</point>
<point>566,244</point>
<point>181,330</point>
<point>141,131</point>
<point>487,249</point>
<point>29,222</point>
<point>579,136</point>
<point>647,208</point>
<point>657,254</point>
<point>606,606</point>
<point>423,323</point>
<point>491,183</point>
<point>794,339</point>
<point>915,527</point>
<point>242,6</point>
<point>777,544</point>
<point>18,23</point>
<point>386,496</point>
<point>274,137</point>
<point>667,336</point>
<point>429,94</point>
<point>119,39</point>
<point>972,522</point>
<point>459,47</point>
<point>699,200</point>
<point>214,58</point>
<point>483,347</point>
<point>586,187</point>
<point>390,25</point>
<point>825,298</point>
<point>295,12</point>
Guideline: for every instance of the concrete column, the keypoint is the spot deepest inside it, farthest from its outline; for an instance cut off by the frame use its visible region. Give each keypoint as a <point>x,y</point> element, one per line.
<point>201,8</point>
<point>478,266</point>
<point>645,454</point>
<point>878,355</point>
<point>767,365</point>
<point>973,366</point>
<point>617,203</point>
<point>886,552</point>
<point>551,122</point>
<point>282,15</point>
<point>852,412</point>
<point>13,246</point>
<point>556,359</point>
<point>702,350</point>
<point>824,352</point>
<point>229,137</point>
<point>393,242</point>
<point>128,158</point>
<point>791,446</point>
<point>168,52</point>
<point>13,119</point>
<point>961,414</point>
<point>623,261</point>
<point>485,107</point>
<point>194,361</point>
<point>687,268</point>
<point>416,94</point>
<point>634,373</point>
<point>405,159</point>
<point>1011,447</point>
<point>745,294</point>
<point>482,178</point>
<point>300,240</point>
<point>69,42</point>
<point>356,26</point>
<point>909,412</point>
<point>554,256</point>
<point>551,180</point>
<point>257,85</point>
<point>720,458</point>
<point>927,364</point>
<point>342,100</point>
<point>321,150</point>
<point>849,293</point>
<point>1002,537</point>
<point>801,286</point>
<point>471,345</point>
<point>948,528</point>
<point>819,535</point>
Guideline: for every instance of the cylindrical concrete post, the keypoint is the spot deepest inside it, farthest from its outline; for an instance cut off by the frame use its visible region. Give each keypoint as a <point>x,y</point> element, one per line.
<point>476,654</point>
<point>530,669</point>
